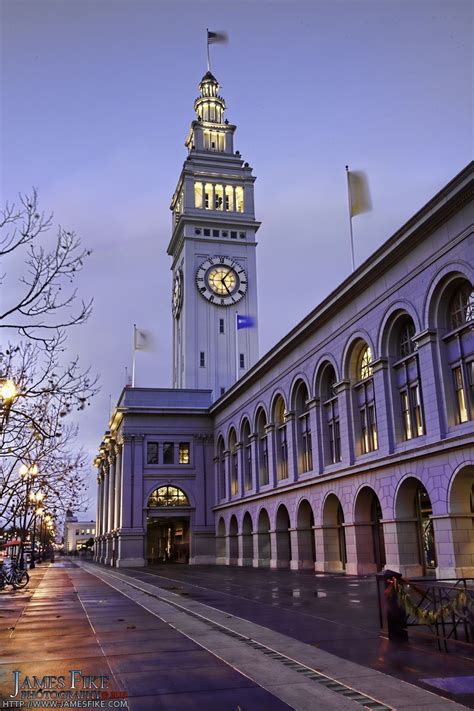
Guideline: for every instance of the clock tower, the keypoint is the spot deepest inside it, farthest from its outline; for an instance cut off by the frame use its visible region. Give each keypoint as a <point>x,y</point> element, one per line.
<point>213,251</point>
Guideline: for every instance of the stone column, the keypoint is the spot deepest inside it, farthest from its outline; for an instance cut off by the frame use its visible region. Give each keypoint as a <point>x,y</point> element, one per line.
<point>402,546</point>
<point>242,560</point>
<point>434,407</point>
<point>274,562</point>
<point>454,542</point>
<point>118,485</point>
<point>346,423</point>
<point>98,516</point>
<point>385,429</point>
<point>131,535</point>
<point>240,470</point>
<point>111,509</point>
<point>301,549</point>
<point>105,512</point>
<point>327,549</point>
<point>360,549</point>
<point>228,490</point>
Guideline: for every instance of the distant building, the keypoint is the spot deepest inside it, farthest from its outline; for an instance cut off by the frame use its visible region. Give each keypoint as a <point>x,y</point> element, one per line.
<point>77,533</point>
<point>349,446</point>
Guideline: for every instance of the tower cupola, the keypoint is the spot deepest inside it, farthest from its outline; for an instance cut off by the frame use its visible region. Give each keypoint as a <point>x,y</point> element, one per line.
<point>209,106</point>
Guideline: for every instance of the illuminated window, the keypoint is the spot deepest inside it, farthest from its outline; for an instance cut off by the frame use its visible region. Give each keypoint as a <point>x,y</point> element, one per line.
<point>88,530</point>
<point>460,395</point>
<point>168,453</point>
<point>198,195</point>
<point>281,439</point>
<point>168,496</point>
<point>303,430</point>
<point>93,531</point>
<point>239,199</point>
<point>229,198</point>
<point>208,196</point>
<point>218,197</point>
<point>365,402</point>
<point>183,457</point>
<point>152,453</point>
<point>407,378</point>
<point>331,416</point>
<point>462,306</point>
<point>364,369</point>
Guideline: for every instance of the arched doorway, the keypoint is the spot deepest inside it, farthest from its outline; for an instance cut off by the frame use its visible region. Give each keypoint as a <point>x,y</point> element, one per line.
<point>283,541</point>
<point>233,541</point>
<point>461,530</point>
<point>369,537</point>
<point>264,544</point>
<point>221,543</point>
<point>335,554</point>
<point>247,540</point>
<point>415,531</point>
<point>305,536</point>
<point>168,526</point>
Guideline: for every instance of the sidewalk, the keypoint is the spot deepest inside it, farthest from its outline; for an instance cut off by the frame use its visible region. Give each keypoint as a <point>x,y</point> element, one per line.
<point>119,642</point>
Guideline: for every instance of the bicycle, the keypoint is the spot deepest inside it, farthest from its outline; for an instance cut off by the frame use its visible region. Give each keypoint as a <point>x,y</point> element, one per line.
<point>12,574</point>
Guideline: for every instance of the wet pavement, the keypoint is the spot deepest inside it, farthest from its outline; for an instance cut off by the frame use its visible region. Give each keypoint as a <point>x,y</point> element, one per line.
<point>219,639</point>
<point>69,620</point>
<point>336,613</point>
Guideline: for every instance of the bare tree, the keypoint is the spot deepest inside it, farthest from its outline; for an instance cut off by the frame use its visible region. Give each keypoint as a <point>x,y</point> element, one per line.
<point>48,386</point>
<point>44,306</point>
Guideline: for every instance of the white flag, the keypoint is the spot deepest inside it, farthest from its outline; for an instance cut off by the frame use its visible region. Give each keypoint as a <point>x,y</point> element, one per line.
<point>142,340</point>
<point>359,194</point>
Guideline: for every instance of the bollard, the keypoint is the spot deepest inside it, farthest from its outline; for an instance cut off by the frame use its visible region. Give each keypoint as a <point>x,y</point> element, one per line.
<point>393,616</point>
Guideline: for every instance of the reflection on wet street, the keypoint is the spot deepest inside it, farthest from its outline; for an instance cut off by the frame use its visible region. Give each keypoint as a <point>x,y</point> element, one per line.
<point>333,612</point>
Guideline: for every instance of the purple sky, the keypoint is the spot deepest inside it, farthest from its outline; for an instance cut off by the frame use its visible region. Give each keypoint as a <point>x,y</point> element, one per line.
<point>97,100</point>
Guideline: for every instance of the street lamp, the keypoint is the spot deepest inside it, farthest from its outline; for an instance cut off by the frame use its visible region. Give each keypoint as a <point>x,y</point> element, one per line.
<point>36,500</point>
<point>27,474</point>
<point>8,392</point>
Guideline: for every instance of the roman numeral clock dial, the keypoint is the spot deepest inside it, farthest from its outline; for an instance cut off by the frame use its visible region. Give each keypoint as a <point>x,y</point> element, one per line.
<point>222,281</point>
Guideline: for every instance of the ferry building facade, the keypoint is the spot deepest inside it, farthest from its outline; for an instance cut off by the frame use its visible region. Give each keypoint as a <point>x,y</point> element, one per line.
<point>349,446</point>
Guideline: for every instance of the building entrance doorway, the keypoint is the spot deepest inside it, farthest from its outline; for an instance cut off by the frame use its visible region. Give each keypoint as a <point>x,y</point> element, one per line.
<point>167,540</point>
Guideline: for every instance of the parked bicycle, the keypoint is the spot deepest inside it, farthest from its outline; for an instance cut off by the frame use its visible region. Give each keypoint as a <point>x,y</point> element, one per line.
<point>12,574</point>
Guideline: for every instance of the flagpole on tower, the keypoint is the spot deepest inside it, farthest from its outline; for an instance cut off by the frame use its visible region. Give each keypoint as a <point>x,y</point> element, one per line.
<point>350,216</point>
<point>208,55</point>
<point>134,353</point>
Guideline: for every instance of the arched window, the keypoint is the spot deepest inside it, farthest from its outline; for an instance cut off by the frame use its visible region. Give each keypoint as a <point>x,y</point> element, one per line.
<point>262,449</point>
<point>247,455</point>
<point>234,466</point>
<point>331,429</point>
<point>365,400</point>
<point>406,378</point>
<point>221,468</point>
<point>281,438</point>
<point>461,308</point>
<point>168,496</point>
<point>459,352</point>
<point>303,430</point>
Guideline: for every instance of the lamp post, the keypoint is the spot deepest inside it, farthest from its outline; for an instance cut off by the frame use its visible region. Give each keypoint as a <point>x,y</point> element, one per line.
<point>27,474</point>
<point>36,500</point>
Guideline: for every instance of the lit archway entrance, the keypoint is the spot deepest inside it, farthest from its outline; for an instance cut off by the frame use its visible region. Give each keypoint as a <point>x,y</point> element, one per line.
<point>334,538</point>
<point>168,518</point>
<point>368,531</point>
<point>415,531</point>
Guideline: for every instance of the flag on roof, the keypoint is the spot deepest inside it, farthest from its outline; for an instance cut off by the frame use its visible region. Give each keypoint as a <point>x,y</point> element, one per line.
<point>245,321</point>
<point>217,37</point>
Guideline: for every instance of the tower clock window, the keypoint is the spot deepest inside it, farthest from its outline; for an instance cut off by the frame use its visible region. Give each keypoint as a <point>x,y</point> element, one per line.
<point>221,325</point>
<point>202,359</point>
<point>219,197</point>
<point>242,360</point>
<point>229,197</point>
<point>239,199</point>
<point>198,195</point>
<point>208,196</point>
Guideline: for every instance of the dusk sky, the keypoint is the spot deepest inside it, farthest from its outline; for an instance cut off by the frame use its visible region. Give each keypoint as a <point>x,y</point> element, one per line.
<point>97,98</point>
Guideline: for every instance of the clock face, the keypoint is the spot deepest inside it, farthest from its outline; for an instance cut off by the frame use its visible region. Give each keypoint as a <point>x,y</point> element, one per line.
<point>177,293</point>
<point>222,281</point>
